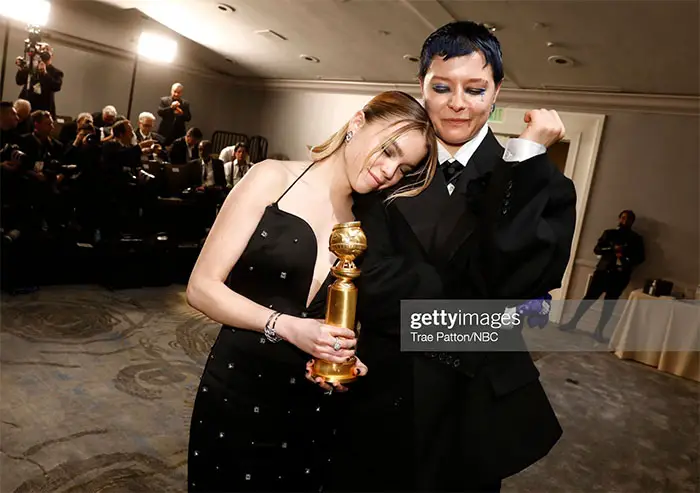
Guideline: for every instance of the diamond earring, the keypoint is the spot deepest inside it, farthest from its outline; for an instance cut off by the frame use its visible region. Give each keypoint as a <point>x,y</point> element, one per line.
<point>348,136</point>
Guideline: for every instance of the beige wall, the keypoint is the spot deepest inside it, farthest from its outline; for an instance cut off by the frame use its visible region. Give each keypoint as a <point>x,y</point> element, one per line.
<point>647,162</point>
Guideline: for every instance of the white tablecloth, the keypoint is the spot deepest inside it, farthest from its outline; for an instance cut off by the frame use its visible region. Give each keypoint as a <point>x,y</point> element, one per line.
<point>660,332</point>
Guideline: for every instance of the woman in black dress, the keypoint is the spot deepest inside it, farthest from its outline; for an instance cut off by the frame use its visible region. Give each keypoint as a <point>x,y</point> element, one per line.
<point>258,424</point>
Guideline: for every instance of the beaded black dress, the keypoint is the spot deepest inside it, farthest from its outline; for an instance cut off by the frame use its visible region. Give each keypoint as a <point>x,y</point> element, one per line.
<point>257,423</point>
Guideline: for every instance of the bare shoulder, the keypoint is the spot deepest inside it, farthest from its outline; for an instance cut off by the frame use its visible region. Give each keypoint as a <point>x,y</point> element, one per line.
<point>277,175</point>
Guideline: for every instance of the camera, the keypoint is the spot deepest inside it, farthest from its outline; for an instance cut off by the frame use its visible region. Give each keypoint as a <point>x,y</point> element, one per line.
<point>33,46</point>
<point>11,152</point>
<point>91,138</point>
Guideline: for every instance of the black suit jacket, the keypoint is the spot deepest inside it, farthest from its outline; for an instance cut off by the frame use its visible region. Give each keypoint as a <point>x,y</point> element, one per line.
<point>172,126</point>
<point>632,250</point>
<point>51,82</point>
<point>179,154</point>
<point>200,178</point>
<point>504,233</point>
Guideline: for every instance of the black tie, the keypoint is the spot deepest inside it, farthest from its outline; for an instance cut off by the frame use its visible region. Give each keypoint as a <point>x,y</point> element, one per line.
<point>451,169</point>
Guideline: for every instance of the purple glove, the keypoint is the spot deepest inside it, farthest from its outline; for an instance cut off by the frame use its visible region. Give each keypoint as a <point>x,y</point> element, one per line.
<point>536,311</point>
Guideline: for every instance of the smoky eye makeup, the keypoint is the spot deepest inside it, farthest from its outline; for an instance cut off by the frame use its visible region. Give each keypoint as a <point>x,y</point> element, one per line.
<point>441,88</point>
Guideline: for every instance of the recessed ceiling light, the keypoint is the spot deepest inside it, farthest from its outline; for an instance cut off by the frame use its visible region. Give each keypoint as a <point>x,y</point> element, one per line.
<point>411,58</point>
<point>224,7</point>
<point>309,58</point>
<point>560,61</point>
<point>490,27</point>
<point>270,34</point>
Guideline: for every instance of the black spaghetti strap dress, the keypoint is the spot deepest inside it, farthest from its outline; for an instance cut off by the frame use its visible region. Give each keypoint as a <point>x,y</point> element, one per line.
<point>257,423</point>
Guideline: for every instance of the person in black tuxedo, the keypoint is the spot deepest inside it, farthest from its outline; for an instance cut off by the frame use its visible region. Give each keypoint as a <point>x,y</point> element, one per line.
<point>211,170</point>
<point>175,113</point>
<point>620,250</point>
<point>40,80</point>
<point>186,149</point>
<point>494,224</point>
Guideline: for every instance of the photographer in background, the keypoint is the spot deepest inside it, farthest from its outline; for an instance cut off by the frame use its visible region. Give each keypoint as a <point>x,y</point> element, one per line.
<point>85,152</point>
<point>39,79</point>
<point>175,113</point>
<point>69,131</point>
<point>620,251</point>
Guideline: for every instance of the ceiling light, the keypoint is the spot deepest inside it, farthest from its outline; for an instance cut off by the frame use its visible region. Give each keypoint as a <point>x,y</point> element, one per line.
<point>157,48</point>
<point>411,58</point>
<point>490,27</point>
<point>224,7</point>
<point>560,61</point>
<point>270,34</point>
<point>309,58</point>
<point>32,12</point>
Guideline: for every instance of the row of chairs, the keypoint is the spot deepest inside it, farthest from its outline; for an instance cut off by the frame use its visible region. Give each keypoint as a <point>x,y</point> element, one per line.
<point>257,145</point>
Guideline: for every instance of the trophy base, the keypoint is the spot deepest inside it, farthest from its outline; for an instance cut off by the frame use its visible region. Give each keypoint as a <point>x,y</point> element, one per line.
<point>335,372</point>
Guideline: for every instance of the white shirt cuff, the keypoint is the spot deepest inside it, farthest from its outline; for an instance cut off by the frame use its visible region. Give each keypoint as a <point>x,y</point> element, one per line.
<point>519,150</point>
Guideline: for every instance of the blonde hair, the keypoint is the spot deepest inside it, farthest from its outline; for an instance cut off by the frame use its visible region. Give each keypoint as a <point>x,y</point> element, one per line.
<point>403,110</point>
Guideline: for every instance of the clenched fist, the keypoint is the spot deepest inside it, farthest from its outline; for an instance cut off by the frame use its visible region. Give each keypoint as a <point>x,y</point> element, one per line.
<point>544,127</point>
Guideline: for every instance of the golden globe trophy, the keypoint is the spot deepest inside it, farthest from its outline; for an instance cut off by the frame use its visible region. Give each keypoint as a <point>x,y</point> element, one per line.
<point>347,242</point>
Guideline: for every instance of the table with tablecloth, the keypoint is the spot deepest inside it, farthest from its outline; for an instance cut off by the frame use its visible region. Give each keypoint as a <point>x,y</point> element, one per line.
<point>661,332</point>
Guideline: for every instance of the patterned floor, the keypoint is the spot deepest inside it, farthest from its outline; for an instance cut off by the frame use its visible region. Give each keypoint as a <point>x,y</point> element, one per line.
<point>97,389</point>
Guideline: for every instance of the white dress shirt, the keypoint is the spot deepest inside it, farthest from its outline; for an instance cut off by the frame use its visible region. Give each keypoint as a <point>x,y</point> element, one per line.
<point>516,150</point>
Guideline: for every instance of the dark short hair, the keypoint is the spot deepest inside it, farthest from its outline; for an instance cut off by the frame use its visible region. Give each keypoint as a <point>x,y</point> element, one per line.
<point>241,145</point>
<point>630,214</point>
<point>39,116</point>
<point>460,39</point>
<point>196,133</point>
<point>205,144</point>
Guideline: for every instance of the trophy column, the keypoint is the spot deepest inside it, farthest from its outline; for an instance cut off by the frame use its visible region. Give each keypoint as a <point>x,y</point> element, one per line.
<point>347,242</point>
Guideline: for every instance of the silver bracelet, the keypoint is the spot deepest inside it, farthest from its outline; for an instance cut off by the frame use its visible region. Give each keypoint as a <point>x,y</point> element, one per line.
<point>270,333</point>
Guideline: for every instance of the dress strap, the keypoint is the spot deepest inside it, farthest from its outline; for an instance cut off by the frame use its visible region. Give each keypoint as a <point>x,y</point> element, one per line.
<point>294,183</point>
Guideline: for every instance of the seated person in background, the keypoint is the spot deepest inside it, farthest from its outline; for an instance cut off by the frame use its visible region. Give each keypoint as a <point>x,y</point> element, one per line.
<point>43,152</point>
<point>186,149</point>
<point>211,169</point>
<point>8,124</point>
<point>226,154</point>
<point>145,129</point>
<point>105,118</point>
<point>119,153</point>
<point>70,130</point>
<point>24,113</point>
<point>145,132</point>
<point>238,166</point>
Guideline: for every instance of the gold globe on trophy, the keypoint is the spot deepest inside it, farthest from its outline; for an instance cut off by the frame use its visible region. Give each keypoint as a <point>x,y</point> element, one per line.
<point>347,242</point>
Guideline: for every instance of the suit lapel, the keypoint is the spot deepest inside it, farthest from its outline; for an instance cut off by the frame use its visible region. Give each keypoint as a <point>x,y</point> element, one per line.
<point>423,212</point>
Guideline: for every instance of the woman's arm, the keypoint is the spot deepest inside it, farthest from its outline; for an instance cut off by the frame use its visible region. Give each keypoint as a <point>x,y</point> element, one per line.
<point>234,225</point>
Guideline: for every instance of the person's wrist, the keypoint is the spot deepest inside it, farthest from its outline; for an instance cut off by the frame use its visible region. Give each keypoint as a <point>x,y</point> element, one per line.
<point>284,327</point>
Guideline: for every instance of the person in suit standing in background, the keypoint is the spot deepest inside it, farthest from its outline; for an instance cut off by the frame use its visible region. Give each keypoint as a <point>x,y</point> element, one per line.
<point>175,113</point>
<point>620,250</point>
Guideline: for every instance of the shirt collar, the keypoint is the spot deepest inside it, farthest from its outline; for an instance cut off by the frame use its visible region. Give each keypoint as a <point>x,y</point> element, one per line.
<point>465,153</point>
